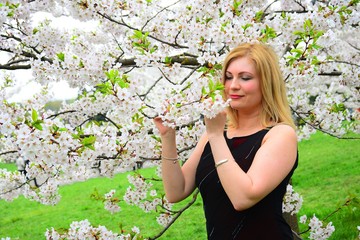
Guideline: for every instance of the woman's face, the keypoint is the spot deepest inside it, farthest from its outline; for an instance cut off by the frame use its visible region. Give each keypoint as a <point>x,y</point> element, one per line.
<point>242,85</point>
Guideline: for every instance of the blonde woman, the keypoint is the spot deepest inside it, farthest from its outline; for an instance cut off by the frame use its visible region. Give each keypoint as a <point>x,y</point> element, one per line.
<point>245,159</point>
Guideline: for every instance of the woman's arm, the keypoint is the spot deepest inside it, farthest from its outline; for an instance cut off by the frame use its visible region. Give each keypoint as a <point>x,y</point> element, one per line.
<point>272,163</point>
<point>179,182</point>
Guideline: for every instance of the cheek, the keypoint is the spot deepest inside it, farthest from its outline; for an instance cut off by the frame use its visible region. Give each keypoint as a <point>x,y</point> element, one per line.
<point>227,85</point>
<point>251,86</point>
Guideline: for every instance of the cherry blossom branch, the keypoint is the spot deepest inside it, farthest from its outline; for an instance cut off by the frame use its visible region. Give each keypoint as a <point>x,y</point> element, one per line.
<point>346,204</point>
<point>109,120</point>
<point>143,96</point>
<point>60,113</point>
<point>345,62</point>
<point>333,73</point>
<point>177,215</point>
<point>319,128</point>
<point>353,46</point>
<point>8,152</point>
<point>183,59</point>
<point>11,65</point>
<point>189,75</point>
<point>174,45</point>
<point>162,10</point>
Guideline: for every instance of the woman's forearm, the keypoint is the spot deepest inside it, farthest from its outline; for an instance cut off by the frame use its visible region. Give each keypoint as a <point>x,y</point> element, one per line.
<point>235,181</point>
<point>173,178</point>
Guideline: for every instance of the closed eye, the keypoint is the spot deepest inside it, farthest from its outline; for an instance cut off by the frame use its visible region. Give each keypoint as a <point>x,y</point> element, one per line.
<point>227,77</point>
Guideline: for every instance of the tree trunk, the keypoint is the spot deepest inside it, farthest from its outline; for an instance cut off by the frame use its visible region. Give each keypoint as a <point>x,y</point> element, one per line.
<point>292,221</point>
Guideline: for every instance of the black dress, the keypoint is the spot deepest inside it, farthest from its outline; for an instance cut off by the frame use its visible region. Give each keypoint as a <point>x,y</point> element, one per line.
<point>262,221</point>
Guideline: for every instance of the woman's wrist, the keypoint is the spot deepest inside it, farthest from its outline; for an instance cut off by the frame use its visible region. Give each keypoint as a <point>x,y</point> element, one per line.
<point>174,160</point>
<point>168,135</point>
<point>214,136</point>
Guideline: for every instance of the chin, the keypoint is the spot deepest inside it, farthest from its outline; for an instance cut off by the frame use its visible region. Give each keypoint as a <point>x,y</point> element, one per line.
<point>234,106</point>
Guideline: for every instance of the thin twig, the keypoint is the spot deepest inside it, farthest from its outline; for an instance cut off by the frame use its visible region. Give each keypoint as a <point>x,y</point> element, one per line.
<point>177,215</point>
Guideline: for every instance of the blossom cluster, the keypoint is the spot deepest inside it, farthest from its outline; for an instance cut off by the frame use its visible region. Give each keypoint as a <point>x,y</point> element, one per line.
<point>317,230</point>
<point>84,230</point>
<point>138,195</point>
<point>111,203</point>
<point>292,201</point>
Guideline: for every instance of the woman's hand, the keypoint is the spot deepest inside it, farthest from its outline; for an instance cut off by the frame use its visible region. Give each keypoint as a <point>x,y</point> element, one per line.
<point>163,130</point>
<point>215,126</point>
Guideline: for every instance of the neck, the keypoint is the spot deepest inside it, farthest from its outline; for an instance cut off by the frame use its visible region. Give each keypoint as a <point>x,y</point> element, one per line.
<point>249,120</point>
<point>247,124</point>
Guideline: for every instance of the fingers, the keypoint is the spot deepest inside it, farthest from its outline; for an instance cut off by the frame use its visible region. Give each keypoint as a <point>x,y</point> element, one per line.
<point>219,117</point>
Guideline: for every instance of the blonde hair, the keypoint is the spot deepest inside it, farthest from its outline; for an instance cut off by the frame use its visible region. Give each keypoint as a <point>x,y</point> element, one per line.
<point>275,106</point>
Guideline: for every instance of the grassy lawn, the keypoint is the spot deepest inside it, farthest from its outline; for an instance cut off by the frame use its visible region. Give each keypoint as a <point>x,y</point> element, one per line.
<point>24,219</point>
<point>327,175</point>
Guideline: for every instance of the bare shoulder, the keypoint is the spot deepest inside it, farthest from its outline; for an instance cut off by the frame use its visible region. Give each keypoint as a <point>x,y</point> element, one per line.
<point>282,131</point>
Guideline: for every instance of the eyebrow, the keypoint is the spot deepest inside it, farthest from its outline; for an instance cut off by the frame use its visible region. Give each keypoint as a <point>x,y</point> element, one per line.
<point>227,72</point>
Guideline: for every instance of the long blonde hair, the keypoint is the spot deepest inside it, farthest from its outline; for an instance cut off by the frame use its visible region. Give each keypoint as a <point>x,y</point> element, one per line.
<point>275,106</point>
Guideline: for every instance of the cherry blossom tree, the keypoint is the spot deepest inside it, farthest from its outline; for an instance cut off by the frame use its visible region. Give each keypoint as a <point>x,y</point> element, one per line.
<point>145,58</point>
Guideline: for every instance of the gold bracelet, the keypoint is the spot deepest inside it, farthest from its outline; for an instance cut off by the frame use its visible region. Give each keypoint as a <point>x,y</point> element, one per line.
<point>170,159</point>
<point>221,162</point>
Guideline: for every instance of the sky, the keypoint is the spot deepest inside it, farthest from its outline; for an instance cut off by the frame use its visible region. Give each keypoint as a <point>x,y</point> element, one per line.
<point>25,87</point>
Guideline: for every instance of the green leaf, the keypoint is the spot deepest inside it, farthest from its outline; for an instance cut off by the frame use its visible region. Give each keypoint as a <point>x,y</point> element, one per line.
<point>217,66</point>
<point>104,88</point>
<point>158,139</point>
<point>168,61</point>
<point>296,50</point>
<point>298,33</point>
<point>203,91</point>
<point>61,56</point>
<point>55,128</point>
<point>34,115</point>
<point>75,136</point>
<point>112,74</point>
<point>211,85</point>
<point>315,61</point>
<point>37,125</point>
<point>307,24</point>
<point>89,142</point>
<point>137,118</point>
<point>153,49</point>
<point>219,86</point>
<point>207,20</point>
<point>317,47</point>
<point>338,107</point>
<point>258,16</point>
<point>81,64</point>
<point>246,26</point>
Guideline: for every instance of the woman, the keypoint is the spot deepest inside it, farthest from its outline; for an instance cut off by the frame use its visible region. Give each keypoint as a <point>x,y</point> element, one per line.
<point>241,166</point>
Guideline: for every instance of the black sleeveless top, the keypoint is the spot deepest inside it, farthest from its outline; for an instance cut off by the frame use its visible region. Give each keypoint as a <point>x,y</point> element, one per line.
<point>264,220</point>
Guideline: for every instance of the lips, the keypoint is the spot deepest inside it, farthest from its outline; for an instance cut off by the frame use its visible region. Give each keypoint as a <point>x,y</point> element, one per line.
<point>235,96</point>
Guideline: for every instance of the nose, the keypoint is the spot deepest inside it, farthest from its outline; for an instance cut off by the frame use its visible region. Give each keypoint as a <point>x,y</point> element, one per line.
<point>235,84</point>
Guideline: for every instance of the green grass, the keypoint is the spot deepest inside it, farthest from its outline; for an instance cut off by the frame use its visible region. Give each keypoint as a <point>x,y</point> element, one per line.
<point>24,219</point>
<point>327,174</point>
